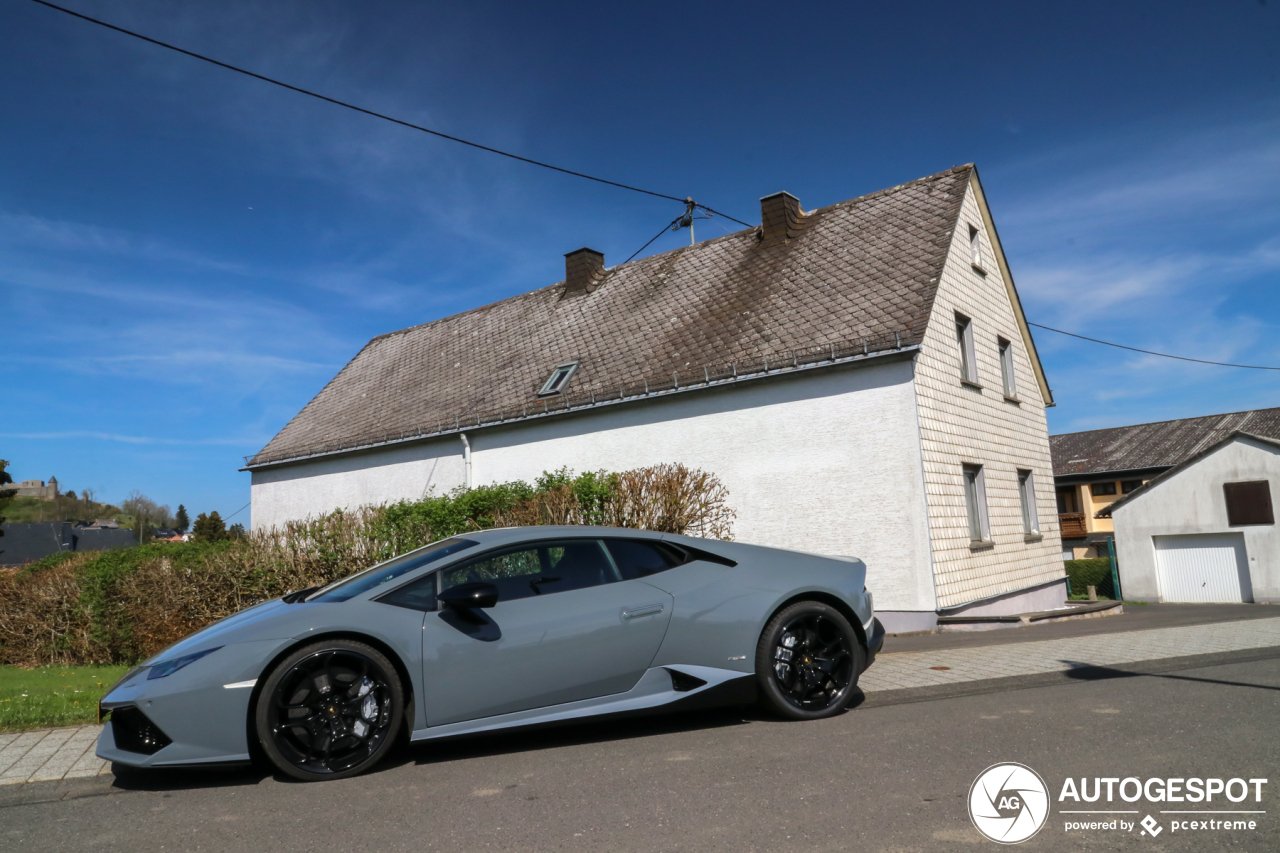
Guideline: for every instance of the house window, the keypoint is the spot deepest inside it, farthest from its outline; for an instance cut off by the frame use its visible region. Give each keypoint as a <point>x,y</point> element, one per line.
<point>1067,500</point>
<point>975,248</point>
<point>1006,368</point>
<point>1027,492</point>
<point>558,379</point>
<point>1249,503</point>
<point>1100,489</point>
<point>975,500</point>
<point>964,337</point>
<point>1127,486</point>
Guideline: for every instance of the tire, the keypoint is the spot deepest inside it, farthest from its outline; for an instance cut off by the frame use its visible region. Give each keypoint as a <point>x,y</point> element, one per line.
<point>330,710</point>
<point>807,662</point>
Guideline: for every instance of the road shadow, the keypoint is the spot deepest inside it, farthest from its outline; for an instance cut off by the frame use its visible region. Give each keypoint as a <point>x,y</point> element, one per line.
<point>1091,672</point>
<point>594,730</point>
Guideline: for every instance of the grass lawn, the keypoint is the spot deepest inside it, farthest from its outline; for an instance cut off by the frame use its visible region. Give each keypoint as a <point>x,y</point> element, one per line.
<point>53,695</point>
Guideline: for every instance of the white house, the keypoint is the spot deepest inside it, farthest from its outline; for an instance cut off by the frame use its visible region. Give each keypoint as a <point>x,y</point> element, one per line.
<point>1204,530</point>
<point>861,378</point>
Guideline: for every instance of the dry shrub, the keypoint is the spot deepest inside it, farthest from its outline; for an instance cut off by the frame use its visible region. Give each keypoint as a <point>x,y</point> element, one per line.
<point>671,499</point>
<point>663,498</point>
<point>43,619</point>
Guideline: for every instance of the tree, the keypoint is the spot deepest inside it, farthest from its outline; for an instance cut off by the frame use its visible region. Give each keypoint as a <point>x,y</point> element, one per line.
<point>6,495</point>
<point>146,513</point>
<point>182,521</point>
<point>236,532</point>
<point>209,528</point>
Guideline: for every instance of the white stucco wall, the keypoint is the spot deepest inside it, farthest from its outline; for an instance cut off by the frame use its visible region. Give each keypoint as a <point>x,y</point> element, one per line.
<point>1192,501</point>
<point>826,461</point>
<point>962,424</point>
<point>405,472</point>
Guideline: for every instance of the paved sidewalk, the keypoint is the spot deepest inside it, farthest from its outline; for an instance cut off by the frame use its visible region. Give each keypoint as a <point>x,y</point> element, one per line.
<point>48,755</point>
<point>55,754</point>
<point>950,666</point>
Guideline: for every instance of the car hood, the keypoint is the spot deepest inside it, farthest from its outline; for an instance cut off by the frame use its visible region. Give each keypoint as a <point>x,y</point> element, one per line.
<point>248,624</point>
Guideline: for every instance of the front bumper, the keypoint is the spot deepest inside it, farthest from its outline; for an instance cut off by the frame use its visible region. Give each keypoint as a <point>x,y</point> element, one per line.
<point>197,715</point>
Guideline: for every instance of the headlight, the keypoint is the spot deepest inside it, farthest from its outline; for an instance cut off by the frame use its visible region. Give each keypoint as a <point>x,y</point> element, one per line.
<point>169,667</point>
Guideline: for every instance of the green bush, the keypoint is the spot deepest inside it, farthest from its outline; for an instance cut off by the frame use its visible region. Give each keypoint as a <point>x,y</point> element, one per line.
<point>1095,571</point>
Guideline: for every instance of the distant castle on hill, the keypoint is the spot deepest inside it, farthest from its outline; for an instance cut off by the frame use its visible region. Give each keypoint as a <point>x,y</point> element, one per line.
<point>36,489</point>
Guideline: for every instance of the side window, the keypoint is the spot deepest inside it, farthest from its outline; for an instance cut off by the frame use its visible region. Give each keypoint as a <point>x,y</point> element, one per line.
<point>638,559</point>
<point>964,337</point>
<point>419,595</point>
<point>539,569</point>
<point>1007,373</point>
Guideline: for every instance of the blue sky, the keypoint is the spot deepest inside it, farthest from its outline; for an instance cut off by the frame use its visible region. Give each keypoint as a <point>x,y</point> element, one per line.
<point>188,255</point>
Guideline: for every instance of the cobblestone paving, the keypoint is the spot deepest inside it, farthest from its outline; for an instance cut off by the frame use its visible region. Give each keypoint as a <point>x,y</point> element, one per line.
<point>47,755</point>
<point>67,753</point>
<point>917,669</point>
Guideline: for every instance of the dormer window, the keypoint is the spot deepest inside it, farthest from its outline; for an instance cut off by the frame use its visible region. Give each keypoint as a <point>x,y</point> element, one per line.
<point>558,379</point>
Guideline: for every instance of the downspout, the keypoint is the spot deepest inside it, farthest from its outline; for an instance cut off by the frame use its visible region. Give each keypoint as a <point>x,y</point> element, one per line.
<point>466,459</point>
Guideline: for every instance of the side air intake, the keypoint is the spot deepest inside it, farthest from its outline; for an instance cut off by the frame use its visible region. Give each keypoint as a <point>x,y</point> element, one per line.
<point>683,682</point>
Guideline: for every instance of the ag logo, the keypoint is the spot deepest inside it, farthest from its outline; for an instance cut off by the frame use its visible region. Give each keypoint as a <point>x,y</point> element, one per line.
<point>1008,803</point>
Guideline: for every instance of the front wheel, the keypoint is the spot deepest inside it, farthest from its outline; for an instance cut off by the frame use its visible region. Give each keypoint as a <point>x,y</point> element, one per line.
<point>329,710</point>
<point>807,662</point>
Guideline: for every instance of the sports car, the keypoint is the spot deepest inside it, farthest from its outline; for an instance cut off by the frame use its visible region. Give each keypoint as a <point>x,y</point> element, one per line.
<point>499,629</point>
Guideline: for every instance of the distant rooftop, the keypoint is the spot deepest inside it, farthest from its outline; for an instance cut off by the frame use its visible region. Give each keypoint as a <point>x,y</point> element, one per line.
<point>1158,445</point>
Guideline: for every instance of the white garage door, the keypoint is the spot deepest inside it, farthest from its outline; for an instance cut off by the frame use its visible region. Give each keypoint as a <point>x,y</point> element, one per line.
<point>1203,567</point>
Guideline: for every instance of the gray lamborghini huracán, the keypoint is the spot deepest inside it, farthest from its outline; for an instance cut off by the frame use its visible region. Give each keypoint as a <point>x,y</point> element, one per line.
<point>494,630</point>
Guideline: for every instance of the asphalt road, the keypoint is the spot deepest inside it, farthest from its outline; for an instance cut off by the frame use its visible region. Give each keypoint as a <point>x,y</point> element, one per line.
<point>880,777</point>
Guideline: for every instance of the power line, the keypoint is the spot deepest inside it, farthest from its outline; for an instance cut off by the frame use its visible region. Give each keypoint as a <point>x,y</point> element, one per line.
<point>665,229</point>
<point>368,112</point>
<point>1149,352</point>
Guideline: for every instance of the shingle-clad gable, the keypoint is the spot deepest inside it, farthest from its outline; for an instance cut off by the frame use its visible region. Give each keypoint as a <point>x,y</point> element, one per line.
<point>1157,445</point>
<point>858,273</point>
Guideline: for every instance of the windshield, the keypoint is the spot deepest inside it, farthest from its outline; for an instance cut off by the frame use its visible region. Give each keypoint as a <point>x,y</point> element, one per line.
<point>348,588</point>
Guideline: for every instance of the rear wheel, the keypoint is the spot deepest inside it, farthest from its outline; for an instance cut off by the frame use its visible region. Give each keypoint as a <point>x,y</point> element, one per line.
<point>808,661</point>
<point>329,710</point>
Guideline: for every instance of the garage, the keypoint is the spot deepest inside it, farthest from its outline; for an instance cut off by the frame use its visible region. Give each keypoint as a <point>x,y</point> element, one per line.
<point>1205,567</point>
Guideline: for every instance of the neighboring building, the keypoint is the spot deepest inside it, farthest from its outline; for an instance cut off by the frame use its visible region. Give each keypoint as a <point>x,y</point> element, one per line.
<point>25,543</point>
<point>1092,470</point>
<point>861,378</point>
<point>1205,529</point>
<point>35,489</point>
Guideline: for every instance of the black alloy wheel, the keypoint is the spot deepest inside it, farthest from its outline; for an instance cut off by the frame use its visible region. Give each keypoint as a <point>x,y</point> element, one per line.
<point>808,662</point>
<point>330,710</point>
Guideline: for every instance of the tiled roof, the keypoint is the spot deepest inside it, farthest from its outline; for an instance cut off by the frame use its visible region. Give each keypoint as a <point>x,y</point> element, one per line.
<point>859,273</point>
<point>1158,445</point>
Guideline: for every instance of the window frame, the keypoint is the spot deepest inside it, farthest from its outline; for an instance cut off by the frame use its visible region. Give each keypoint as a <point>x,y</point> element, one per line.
<point>968,354</point>
<point>1094,489</point>
<point>1248,516</point>
<point>559,378</point>
<point>1008,376</point>
<point>975,497</point>
<point>1027,496</point>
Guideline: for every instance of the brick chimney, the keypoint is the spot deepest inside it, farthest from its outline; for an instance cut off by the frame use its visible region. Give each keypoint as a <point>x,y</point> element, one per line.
<point>781,218</point>
<point>583,271</point>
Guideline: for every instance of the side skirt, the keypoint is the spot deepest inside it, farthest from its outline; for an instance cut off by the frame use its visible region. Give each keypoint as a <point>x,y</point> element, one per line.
<point>660,690</point>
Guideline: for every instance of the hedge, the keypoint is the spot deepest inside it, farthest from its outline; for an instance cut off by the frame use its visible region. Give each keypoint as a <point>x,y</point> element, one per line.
<point>1095,571</point>
<point>121,606</point>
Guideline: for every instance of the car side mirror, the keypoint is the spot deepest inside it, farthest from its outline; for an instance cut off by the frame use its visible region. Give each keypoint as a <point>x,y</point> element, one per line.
<point>468,596</point>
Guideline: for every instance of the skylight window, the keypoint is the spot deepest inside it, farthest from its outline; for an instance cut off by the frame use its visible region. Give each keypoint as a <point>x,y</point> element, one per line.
<point>558,379</point>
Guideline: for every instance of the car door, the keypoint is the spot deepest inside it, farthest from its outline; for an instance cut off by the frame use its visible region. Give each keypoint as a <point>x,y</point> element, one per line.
<point>566,627</point>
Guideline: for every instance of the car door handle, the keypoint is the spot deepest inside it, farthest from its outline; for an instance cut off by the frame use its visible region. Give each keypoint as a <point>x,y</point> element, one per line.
<point>646,610</point>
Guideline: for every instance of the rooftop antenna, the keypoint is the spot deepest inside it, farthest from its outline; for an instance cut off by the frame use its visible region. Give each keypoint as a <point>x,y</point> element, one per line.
<point>686,221</point>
